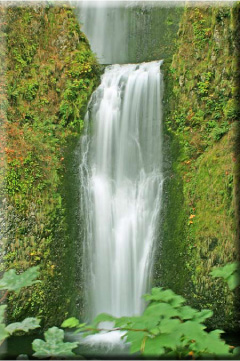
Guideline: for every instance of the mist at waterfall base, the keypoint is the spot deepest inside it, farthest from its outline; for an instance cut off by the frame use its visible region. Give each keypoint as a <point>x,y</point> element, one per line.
<point>121,187</point>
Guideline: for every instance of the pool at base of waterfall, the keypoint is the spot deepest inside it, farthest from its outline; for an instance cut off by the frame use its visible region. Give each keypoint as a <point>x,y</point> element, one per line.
<point>102,345</point>
<point>105,342</point>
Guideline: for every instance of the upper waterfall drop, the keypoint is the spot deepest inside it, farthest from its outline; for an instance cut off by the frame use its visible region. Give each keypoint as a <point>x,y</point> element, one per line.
<point>100,20</point>
<point>121,177</point>
<point>128,31</point>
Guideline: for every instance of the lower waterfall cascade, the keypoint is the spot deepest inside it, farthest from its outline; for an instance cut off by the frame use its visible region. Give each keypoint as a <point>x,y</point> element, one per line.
<point>121,186</point>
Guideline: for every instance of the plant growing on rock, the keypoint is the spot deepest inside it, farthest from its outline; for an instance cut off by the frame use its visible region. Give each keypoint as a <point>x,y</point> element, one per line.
<point>168,327</point>
<point>12,282</point>
<point>54,344</point>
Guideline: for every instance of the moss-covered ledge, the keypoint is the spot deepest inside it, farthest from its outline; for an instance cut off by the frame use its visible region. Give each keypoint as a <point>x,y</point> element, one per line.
<point>51,73</point>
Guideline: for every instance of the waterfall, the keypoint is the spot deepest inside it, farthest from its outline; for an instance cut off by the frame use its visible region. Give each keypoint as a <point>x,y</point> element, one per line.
<point>128,31</point>
<point>100,20</point>
<point>121,178</point>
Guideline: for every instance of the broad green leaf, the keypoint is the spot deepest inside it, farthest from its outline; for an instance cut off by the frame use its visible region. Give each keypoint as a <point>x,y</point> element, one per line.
<point>169,325</point>
<point>187,312</point>
<point>82,325</point>
<point>216,333</point>
<point>202,315</point>
<point>177,301</point>
<point>123,322</point>
<point>14,282</point>
<point>2,311</point>
<point>152,348</point>
<point>150,321</point>
<point>71,322</point>
<point>192,330</point>
<point>143,322</point>
<point>233,281</point>
<point>155,331</point>
<point>169,341</point>
<point>155,291</point>
<point>158,294</point>
<point>236,351</point>
<point>54,345</point>
<point>135,338</point>
<point>225,271</point>
<point>209,344</point>
<point>29,323</point>
<point>215,344</point>
<point>161,309</point>
<point>103,317</point>
<point>230,273</point>
<point>3,333</point>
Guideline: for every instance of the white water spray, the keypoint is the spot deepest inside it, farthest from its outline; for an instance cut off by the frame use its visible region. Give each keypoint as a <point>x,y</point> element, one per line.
<point>121,177</point>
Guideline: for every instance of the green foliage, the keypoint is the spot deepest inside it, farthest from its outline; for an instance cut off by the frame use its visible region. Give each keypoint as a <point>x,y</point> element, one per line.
<point>230,273</point>
<point>219,131</point>
<point>201,112</point>
<point>27,324</point>
<point>3,333</point>
<point>79,84</point>
<point>167,327</point>
<point>31,91</point>
<point>51,75</point>
<point>222,14</point>
<point>197,118</point>
<point>14,282</point>
<point>53,346</point>
<point>203,86</point>
<point>200,30</point>
<point>72,322</point>
<point>231,109</point>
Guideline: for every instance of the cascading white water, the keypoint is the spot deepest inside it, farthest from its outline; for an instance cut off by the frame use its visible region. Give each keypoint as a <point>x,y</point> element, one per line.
<point>100,20</point>
<point>121,177</point>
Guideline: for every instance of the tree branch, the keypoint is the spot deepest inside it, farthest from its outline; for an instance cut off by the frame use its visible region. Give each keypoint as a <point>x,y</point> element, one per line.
<point>4,296</point>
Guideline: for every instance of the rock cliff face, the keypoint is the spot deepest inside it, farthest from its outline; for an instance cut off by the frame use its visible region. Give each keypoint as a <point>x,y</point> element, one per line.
<point>202,113</point>
<point>51,73</point>
<point>3,102</point>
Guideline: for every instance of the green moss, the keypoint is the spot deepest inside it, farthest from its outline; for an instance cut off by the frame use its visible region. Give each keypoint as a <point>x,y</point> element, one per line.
<point>51,75</point>
<point>212,227</point>
<point>199,221</point>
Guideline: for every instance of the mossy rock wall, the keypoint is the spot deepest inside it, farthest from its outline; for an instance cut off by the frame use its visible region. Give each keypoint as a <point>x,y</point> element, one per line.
<point>199,230</point>
<point>51,73</point>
